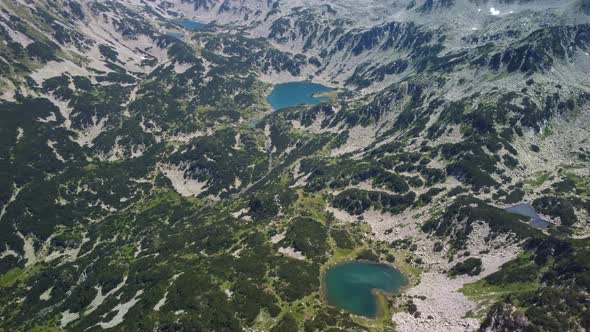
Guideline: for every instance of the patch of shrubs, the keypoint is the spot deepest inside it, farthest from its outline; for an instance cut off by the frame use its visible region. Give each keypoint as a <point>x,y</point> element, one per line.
<point>356,201</point>
<point>515,196</point>
<point>367,255</point>
<point>438,246</point>
<point>296,278</point>
<point>331,319</point>
<point>343,239</point>
<point>42,52</point>
<point>471,266</point>
<point>556,207</point>
<point>286,324</point>
<point>308,236</point>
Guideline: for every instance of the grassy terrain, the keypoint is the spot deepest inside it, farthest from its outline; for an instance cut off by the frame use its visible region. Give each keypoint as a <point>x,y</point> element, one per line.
<point>486,295</point>
<point>538,180</point>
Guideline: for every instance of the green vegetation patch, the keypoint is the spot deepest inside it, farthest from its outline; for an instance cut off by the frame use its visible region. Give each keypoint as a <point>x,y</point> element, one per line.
<point>357,201</point>
<point>556,207</point>
<point>471,266</point>
<point>296,278</point>
<point>547,285</point>
<point>10,277</point>
<point>308,236</point>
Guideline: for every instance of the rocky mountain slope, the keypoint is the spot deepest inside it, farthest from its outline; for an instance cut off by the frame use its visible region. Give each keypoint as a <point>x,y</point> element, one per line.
<point>148,185</point>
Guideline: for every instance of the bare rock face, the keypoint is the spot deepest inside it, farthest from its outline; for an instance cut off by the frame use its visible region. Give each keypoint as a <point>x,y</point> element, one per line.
<point>504,317</point>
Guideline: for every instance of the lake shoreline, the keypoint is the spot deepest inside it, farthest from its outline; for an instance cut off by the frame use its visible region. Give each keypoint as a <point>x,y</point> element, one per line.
<point>298,93</point>
<point>379,295</point>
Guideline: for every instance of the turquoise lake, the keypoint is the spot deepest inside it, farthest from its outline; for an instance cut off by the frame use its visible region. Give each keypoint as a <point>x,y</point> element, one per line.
<point>350,285</point>
<point>296,93</point>
<point>190,24</point>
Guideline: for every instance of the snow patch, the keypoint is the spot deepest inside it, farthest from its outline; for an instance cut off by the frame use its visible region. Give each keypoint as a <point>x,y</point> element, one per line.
<point>46,295</point>
<point>15,193</point>
<point>240,212</point>
<point>51,145</point>
<point>228,292</point>
<point>161,302</point>
<point>122,309</point>
<point>20,132</point>
<point>29,249</point>
<point>184,186</point>
<point>50,118</point>
<point>277,238</point>
<point>187,137</point>
<point>9,252</point>
<point>68,317</point>
<point>99,298</point>
<point>291,252</point>
<point>91,132</point>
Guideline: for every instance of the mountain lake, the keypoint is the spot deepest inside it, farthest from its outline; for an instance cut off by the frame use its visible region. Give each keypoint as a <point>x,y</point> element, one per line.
<point>190,24</point>
<point>352,285</point>
<point>525,209</point>
<point>291,94</point>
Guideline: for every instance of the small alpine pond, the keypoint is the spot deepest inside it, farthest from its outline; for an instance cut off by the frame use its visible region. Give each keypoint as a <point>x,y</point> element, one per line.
<point>190,24</point>
<point>525,209</point>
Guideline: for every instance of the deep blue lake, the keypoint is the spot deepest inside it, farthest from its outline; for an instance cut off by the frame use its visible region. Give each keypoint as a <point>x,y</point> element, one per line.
<point>525,209</point>
<point>296,93</point>
<point>350,285</point>
<point>190,24</point>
